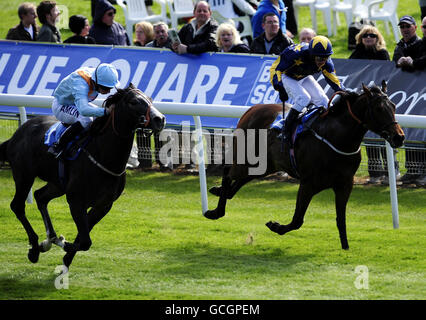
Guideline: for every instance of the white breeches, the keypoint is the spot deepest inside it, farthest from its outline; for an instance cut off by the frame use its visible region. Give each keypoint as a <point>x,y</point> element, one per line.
<point>304,91</point>
<point>69,114</point>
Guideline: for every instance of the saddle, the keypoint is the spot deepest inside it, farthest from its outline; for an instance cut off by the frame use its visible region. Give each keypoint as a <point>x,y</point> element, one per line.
<point>304,122</point>
<point>52,135</point>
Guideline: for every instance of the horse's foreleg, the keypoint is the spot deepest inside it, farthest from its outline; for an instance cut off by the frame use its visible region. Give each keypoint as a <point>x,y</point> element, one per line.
<point>342,194</point>
<point>80,217</point>
<point>94,216</point>
<point>304,197</point>
<point>42,197</point>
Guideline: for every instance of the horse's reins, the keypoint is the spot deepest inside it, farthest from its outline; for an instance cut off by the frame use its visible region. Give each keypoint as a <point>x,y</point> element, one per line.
<point>146,121</point>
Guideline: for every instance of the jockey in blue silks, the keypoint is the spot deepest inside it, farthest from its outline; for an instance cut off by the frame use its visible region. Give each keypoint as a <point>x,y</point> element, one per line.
<point>291,75</point>
<point>72,100</point>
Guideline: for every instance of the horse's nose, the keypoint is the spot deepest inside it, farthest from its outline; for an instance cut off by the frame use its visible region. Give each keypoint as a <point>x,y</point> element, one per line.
<point>158,123</point>
<point>398,141</point>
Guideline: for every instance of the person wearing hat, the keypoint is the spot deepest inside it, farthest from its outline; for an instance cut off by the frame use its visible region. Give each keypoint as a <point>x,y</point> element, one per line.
<point>291,76</point>
<point>72,100</point>
<point>409,47</point>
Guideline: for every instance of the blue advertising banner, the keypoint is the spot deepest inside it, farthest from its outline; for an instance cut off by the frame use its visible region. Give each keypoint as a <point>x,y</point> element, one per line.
<point>210,78</point>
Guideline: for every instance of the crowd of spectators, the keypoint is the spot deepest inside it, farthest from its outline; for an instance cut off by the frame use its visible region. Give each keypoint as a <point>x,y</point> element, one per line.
<point>274,29</point>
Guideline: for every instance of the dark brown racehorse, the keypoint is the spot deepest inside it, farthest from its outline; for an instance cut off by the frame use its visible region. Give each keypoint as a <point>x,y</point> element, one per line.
<point>95,179</point>
<point>320,165</point>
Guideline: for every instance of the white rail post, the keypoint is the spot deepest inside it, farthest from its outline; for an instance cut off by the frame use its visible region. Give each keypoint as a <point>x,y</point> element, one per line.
<point>201,164</point>
<point>392,185</point>
<point>23,119</point>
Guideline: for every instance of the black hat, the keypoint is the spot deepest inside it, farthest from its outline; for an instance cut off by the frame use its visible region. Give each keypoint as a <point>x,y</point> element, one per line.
<point>408,20</point>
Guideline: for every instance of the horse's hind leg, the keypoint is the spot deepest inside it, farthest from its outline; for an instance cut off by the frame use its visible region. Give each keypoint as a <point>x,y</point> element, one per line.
<point>94,216</point>
<point>220,210</point>
<point>43,197</point>
<point>304,197</point>
<point>23,187</point>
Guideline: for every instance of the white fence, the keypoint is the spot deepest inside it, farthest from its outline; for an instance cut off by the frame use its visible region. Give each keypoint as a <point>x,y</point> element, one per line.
<point>197,110</point>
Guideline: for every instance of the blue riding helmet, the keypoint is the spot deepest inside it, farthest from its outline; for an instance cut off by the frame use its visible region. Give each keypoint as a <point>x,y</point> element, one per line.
<point>320,46</point>
<point>106,75</point>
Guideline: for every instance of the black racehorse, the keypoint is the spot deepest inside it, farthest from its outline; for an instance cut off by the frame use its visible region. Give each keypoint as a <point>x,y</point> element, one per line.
<point>327,156</point>
<point>95,179</point>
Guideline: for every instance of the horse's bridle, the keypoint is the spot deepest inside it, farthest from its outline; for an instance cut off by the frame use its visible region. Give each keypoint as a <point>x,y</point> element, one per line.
<point>381,130</point>
<point>143,119</point>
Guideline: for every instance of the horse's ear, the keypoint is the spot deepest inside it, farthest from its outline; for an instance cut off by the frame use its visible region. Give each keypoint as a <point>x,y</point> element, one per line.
<point>366,90</point>
<point>384,86</point>
<point>131,86</point>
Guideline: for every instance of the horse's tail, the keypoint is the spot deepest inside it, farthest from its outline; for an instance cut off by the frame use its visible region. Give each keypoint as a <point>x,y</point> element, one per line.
<point>3,151</point>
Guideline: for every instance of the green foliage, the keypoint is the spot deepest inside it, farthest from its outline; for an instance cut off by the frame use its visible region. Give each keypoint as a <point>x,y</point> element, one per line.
<point>155,244</point>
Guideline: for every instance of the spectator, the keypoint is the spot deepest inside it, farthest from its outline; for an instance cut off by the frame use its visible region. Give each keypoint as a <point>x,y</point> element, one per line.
<point>228,39</point>
<point>144,33</point>
<point>306,35</point>
<point>198,35</point>
<point>291,23</point>
<point>48,14</point>
<point>79,25</point>
<point>104,29</point>
<point>422,4</point>
<point>227,8</point>
<point>409,47</point>
<point>161,36</point>
<point>371,45</point>
<point>419,60</point>
<point>272,40</point>
<point>27,29</point>
<point>266,6</point>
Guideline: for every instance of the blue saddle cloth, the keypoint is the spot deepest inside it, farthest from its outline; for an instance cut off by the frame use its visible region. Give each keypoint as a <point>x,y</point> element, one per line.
<point>53,134</point>
<point>304,120</point>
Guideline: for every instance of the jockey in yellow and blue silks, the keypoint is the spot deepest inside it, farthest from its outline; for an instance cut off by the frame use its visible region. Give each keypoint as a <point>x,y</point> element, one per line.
<point>72,100</point>
<point>291,75</point>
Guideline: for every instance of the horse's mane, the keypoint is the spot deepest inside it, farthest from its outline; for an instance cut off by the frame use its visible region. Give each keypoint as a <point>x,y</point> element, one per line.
<point>114,99</point>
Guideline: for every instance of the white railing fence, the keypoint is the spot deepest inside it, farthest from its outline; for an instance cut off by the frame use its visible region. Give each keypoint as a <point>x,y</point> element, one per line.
<point>197,110</point>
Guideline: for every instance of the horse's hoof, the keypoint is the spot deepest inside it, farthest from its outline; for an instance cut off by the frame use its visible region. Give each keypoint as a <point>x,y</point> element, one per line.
<point>212,214</point>
<point>276,227</point>
<point>217,191</point>
<point>33,254</point>
<point>45,245</point>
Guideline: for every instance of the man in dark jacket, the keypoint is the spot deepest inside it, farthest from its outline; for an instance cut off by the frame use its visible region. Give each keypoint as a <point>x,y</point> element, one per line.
<point>27,29</point>
<point>272,40</point>
<point>198,36</point>
<point>48,14</point>
<point>104,29</point>
<point>409,47</point>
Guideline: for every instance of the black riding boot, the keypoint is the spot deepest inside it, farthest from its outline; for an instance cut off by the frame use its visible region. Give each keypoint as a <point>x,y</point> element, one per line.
<point>289,126</point>
<point>59,147</point>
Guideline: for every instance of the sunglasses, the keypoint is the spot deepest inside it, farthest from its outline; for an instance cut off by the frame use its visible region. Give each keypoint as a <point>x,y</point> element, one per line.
<point>405,26</point>
<point>110,14</point>
<point>424,26</point>
<point>371,35</point>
